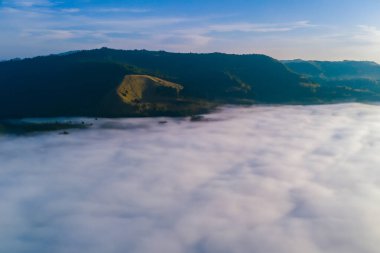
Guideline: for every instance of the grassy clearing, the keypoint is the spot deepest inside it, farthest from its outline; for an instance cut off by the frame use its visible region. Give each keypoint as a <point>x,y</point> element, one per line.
<point>143,88</point>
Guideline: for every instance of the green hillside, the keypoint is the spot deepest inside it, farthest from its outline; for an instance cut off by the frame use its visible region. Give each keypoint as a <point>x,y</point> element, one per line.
<point>144,95</point>
<point>350,80</point>
<point>84,83</point>
<point>336,70</point>
<point>107,82</point>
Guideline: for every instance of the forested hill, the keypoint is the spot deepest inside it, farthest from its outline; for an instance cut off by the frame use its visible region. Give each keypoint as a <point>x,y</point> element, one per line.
<point>341,80</point>
<point>108,82</point>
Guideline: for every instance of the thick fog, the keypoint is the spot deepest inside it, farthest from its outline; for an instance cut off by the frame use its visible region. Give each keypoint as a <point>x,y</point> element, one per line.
<point>291,179</point>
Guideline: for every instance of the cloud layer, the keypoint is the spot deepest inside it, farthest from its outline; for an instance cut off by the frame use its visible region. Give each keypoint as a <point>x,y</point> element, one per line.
<point>257,179</point>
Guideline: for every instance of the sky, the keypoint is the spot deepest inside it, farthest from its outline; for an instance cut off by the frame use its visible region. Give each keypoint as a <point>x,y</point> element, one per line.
<point>289,179</point>
<point>283,29</point>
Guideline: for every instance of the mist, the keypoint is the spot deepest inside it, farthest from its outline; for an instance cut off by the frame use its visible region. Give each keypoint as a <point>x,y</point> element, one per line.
<point>263,179</point>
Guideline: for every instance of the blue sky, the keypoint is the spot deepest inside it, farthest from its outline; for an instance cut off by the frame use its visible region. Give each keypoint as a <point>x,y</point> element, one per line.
<point>284,29</point>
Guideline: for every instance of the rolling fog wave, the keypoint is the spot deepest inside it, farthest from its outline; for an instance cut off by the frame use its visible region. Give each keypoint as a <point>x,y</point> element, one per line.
<point>256,179</point>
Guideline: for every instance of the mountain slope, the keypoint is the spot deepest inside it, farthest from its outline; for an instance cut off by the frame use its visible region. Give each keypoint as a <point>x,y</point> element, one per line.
<point>107,82</point>
<point>336,70</point>
<point>137,89</point>
<point>209,76</point>
<point>144,95</point>
<point>350,80</point>
<point>84,83</point>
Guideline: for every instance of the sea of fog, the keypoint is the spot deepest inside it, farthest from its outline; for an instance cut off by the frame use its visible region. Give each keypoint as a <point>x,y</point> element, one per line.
<point>289,179</point>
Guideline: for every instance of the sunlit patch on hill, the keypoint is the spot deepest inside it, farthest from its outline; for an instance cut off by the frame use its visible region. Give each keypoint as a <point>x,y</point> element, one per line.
<point>143,88</point>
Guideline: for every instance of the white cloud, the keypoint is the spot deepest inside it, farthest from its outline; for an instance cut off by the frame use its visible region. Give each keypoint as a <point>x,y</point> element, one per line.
<point>29,3</point>
<point>122,10</point>
<point>369,34</point>
<point>71,10</point>
<point>39,27</point>
<point>260,179</point>
<point>252,27</point>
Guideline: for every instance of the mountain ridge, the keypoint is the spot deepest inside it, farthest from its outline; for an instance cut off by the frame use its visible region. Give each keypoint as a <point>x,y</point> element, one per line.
<point>84,82</point>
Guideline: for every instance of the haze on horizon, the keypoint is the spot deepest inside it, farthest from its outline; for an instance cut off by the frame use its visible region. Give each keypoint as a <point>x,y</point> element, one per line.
<point>283,29</point>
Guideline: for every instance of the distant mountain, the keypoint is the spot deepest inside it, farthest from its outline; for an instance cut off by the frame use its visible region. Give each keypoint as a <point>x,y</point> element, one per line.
<point>355,80</point>
<point>107,82</point>
<point>336,70</point>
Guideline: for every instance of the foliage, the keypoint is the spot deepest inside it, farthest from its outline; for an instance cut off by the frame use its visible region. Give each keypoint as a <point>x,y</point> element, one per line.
<point>84,83</point>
